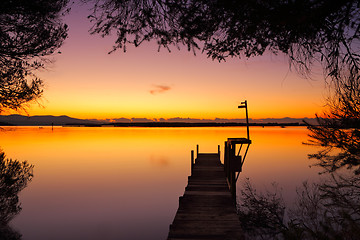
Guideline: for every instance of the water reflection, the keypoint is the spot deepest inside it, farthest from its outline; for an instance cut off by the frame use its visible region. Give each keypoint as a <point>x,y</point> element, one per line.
<point>328,209</point>
<point>124,183</point>
<point>14,177</point>
<point>340,145</point>
<point>160,161</point>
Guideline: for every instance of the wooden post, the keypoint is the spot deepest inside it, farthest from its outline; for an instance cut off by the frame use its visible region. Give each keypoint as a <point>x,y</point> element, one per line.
<point>192,161</point>
<point>226,159</point>
<point>233,186</point>
<point>219,150</point>
<point>197,150</point>
<point>230,154</point>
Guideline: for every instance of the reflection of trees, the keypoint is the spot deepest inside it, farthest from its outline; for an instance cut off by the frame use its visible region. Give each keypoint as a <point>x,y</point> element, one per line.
<point>330,210</point>
<point>14,177</point>
<point>327,210</point>
<point>261,214</point>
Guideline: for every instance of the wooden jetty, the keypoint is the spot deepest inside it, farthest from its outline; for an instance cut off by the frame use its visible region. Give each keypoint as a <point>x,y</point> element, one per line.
<point>207,209</point>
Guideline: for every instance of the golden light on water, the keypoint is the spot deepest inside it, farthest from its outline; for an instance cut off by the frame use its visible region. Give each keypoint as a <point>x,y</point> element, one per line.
<point>131,177</point>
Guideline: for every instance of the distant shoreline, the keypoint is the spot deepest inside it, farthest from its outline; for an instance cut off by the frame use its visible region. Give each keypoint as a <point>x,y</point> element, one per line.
<point>184,124</point>
<point>20,120</point>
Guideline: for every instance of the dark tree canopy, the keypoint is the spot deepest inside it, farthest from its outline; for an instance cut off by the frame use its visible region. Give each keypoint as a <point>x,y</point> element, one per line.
<point>327,210</point>
<point>29,32</point>
<point>306,30</point>
<point>338,130</point>
<point>14,177</point>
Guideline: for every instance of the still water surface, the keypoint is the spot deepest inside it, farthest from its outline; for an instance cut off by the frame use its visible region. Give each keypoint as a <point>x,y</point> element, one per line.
<point>124,183</point>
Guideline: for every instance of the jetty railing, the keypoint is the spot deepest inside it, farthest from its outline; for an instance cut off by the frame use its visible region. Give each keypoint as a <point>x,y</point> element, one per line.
<point>233,162</point>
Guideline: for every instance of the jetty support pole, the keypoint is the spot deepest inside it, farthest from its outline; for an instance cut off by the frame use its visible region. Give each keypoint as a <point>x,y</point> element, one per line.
<point>192,161</point>
<point>226,160</point>
<point>232,181</point>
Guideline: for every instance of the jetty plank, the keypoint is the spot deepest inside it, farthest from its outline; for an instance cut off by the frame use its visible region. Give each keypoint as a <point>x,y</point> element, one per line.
<point>207,209</point>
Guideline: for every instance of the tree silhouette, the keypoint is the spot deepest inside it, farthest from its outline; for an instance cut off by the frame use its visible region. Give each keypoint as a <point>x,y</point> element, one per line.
<point>261,214</point>
<point>14,177</point>
<point>337,131</point>
<point>307,31</point>
<point>328,210</point>
<point>29,32</point>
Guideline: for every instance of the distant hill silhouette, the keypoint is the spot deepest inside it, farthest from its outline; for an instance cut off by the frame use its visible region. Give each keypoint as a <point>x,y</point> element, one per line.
<point>48,120</point>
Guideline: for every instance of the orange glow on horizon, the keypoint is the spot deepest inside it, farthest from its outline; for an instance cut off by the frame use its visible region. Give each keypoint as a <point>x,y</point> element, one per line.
<point>86,82</point>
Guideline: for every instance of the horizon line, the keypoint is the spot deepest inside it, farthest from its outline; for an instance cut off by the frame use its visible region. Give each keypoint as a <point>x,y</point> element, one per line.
<point>171,119</point>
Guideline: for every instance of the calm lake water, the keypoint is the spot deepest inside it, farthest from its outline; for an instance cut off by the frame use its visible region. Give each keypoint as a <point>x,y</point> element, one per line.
<point>124,183</point>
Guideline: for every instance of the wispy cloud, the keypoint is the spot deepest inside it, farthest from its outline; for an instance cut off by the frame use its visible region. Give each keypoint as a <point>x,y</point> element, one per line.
<point>159,89</point>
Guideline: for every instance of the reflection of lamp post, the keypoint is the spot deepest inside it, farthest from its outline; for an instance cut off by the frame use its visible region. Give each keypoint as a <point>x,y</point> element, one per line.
<point>244,105</point>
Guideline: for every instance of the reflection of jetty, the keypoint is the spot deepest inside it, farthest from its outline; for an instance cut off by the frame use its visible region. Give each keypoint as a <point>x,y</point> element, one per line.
<point>207,209</point>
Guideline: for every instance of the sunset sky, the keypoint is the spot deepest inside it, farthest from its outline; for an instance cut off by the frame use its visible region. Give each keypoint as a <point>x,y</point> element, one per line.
<point>86,82</point>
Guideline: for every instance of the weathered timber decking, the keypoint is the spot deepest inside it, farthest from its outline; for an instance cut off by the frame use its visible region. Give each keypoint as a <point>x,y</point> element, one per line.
<point>207,209</point>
